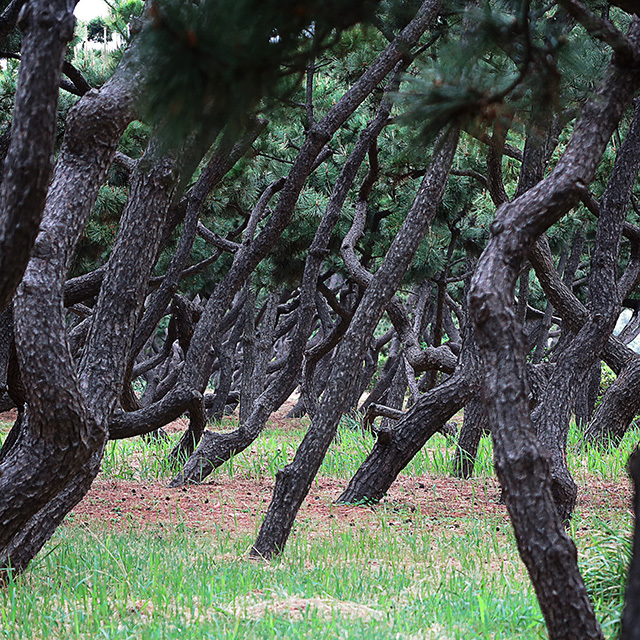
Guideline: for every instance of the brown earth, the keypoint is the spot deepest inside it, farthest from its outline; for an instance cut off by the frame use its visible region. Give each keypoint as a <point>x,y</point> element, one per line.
<point>8,417</point>
<point>237,504</point>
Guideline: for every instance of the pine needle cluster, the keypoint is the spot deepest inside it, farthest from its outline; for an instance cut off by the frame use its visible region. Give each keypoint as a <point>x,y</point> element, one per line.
<point>213,61</point>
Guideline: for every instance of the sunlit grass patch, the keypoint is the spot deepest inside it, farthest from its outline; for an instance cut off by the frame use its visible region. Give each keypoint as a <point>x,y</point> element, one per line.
<point>604,550</point>
<point>274,448</point>
<point>397,582</point>
<point>5,427</point>
<point>606,462</point>
<point>399,573</point>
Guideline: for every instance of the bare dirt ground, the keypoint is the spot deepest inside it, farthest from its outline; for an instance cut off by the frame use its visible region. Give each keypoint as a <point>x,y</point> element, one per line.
<point>8,417</point>
<point>237,504</point>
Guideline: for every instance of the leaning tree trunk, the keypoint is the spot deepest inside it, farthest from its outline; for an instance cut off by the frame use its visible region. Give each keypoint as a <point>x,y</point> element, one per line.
<point>222,161</point>
<point>47,27</point>
<point>396,446</point>
<point>474,426</point>
<point>588,395</point>
<point>620,405</point>
<point>293,482</point>
<point>380,391</point>
<point>522,465</point>
<point>551,417</point>
<point>59,434</point>
<point>194,379</point>
<point>397,390</point>
<point>631,613</point>
<point>38,530</point>
<point>216,448</point>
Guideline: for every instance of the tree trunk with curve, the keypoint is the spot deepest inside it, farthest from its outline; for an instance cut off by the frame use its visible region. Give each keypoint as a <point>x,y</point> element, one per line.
<point>522,465</point>
<point>47,27</point>
<point>474,426</point>
<point>551,416</point>
<point>293,482</point>
<point>394,397</point>
<point>396,446</point>
<point>194,376</point>
<point>620,405</point>
<point>215,449</point>
<point>588,395</point>
<point>58,417</point>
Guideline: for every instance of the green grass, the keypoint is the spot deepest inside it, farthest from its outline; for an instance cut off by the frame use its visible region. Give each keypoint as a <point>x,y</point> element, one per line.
<point>399,578</point>
<point>388,582</point>
<point>414,583</point>
<point>136,459</point>
<point>605,556</point>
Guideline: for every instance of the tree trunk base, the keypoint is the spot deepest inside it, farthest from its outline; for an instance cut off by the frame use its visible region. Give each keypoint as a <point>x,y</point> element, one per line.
<point>473,426</point>
<point>396,447</point>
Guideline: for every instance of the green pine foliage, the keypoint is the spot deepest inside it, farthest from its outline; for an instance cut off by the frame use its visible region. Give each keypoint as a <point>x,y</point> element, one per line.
<point>213,62</point>
<point>121,14</point>
<point>96,30</point>
<point>135,139</point>
<point>101,229</point>
<point>12,42</point>
<point>8,79</point>
<point>493,58</point>
<point>478,63</point>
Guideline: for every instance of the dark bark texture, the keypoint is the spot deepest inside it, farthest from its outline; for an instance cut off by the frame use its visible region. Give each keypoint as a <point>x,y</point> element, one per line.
<point>293,482</point>
<point>631,613</point>
<point>474,426</point>
<point>573,366</point>
<point>619,406</point>
<point>47,27</point>
<point>522,465</point>
<point>59,435</point>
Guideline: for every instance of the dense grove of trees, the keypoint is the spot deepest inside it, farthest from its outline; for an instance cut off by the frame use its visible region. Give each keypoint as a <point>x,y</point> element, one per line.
<point>433,202</point>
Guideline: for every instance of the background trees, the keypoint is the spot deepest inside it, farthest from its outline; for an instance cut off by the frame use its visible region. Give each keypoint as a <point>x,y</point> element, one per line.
<point>330,197</point>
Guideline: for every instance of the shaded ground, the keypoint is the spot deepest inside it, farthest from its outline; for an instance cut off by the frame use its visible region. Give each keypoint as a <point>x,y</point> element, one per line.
<point>237,504</point>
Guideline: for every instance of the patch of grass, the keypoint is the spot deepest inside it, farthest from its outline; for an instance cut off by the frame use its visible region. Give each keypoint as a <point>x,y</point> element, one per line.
<point>390,582</point>
<point>138,459</point>
<point>604,561</point>
<point>607,463</point>
<point>404,576</point>
<point>5,427</point>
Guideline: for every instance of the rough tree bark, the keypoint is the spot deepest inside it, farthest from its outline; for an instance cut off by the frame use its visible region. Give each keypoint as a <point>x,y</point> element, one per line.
<point>293,482</point>
<point>474,426</point>
<point>193,378</point>
<point>587,396</point>
<point>395,447</point>
<point>101,372</point>
<point>223,159</point>
<point>551,416</point>
<point>620,405</point>
<point>47,27</point>
<point>58,416</point>
<point>631,613</point>
<point>217,448</point>
<point>522,465</point>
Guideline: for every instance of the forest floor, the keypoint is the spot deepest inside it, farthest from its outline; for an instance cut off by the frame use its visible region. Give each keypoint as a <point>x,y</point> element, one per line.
<point>237,504</point>
<point>435,560</point>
